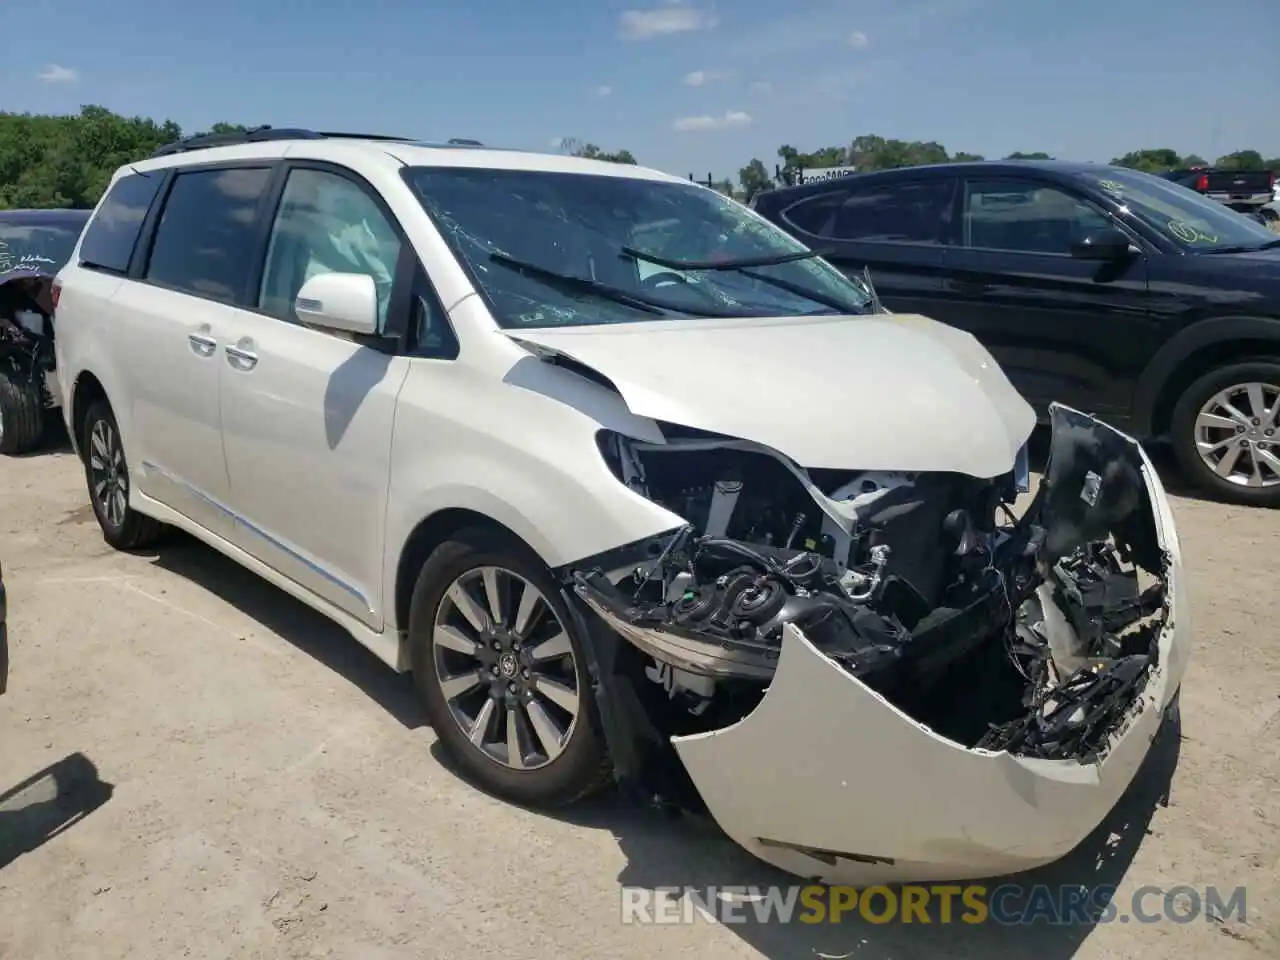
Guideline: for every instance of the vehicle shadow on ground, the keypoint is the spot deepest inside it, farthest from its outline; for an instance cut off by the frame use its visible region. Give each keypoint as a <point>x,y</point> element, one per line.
<point>48,803</point>
<point>309,631</point>
<point>666,854</point>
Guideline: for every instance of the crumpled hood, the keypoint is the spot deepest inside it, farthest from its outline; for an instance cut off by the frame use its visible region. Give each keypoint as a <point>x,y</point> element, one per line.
<point>883,392</point>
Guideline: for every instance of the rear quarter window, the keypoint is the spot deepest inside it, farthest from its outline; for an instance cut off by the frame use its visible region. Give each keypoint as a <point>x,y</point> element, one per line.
<point>113,232</point>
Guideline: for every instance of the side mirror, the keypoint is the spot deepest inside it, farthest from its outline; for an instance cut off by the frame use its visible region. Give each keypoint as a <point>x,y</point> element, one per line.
<point>1107,244</point>
<point>339,301</point>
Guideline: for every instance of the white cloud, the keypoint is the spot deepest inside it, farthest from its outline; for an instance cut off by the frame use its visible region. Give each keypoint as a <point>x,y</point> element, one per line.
<point>858,39</point>
<point>730,119</point>
<point>700,78</point>
<point>761,86</point>
<point>604,90</point>
<point>672,18</point>
<point>56,74</point>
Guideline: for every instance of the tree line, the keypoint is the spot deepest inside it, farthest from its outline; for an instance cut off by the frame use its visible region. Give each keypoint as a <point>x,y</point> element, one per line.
<point>67,161</point>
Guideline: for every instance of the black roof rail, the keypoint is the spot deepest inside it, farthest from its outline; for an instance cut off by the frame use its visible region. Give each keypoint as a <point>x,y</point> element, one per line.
<point>263,134</point>
<point>206,141</point>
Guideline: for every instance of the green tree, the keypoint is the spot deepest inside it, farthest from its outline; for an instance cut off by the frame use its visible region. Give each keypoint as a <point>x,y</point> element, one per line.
<point>1242,160</point>
<point>1019,155</point>
<point>754,178</point>
<point>576,148</point>
<point>1152,161</point>
<point>67,161</point>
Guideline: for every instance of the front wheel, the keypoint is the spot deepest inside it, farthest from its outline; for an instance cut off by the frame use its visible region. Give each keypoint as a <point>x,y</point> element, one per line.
<point>107,474</point>
<point>1226,432</point>
<point>500,669</point>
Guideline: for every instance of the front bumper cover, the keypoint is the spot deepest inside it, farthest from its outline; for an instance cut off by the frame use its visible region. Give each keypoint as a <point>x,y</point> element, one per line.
<point>827,779</point>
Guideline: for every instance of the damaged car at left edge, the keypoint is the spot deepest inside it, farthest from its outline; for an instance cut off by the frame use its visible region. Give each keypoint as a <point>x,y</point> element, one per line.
<point>34,245</point>
<point>640,489</point>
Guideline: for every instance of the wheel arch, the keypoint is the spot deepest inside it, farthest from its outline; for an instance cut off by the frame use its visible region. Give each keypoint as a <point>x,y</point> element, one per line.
<point>1190,354</point>
<point>430,532</point>
<point>86,389</point>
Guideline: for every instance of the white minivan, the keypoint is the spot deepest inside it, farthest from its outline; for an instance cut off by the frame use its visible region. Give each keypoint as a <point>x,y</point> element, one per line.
<point>638,487</point>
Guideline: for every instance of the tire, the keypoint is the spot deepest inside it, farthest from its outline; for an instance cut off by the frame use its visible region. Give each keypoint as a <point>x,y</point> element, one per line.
<point>1258,455</point>
<point>538,779</point>
<point>21,415</point>
<point>122,527</point>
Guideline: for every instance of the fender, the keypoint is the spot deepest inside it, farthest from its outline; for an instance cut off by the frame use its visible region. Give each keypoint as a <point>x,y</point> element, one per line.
<point>1182,345</point>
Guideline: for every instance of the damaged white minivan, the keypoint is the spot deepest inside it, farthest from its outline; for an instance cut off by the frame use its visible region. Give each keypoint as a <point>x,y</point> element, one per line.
<point>640,490</point>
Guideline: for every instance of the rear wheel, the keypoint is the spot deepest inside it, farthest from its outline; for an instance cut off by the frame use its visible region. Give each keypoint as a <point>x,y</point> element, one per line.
<point>499,666</point>
<point>21,413</point>
<point>107,474</point>
<point>1226,432</point>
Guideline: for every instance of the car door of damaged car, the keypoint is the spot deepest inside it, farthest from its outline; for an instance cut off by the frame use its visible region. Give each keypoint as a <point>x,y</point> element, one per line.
<point>307,414</point>
<point>1052,321</point>
<point>895,228</point>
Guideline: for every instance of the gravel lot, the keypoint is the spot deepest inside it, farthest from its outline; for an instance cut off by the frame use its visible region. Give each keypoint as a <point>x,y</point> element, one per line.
<point>275,793</point>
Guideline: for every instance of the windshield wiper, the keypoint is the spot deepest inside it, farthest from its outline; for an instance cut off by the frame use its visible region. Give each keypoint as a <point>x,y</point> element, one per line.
<point>574,284</point>
<point>568,281</point>
<point>769,261</point>
<point>743,266</point>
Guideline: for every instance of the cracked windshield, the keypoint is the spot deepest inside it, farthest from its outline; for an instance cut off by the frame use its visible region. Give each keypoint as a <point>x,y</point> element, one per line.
<point>556,249</point>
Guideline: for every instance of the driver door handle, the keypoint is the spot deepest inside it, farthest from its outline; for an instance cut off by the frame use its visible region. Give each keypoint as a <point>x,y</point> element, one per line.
<point>241,356</point>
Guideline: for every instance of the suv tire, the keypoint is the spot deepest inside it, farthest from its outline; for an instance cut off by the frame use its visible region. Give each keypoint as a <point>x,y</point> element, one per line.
<point>1231,437</point>
<point>483,751</point>
<point>107,475</point>
<point>21,414</point>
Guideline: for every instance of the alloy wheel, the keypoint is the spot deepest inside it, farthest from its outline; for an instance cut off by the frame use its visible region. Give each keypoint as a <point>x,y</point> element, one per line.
<point>506,667</point>
<point>1238,437</point>
<point>108,475</point>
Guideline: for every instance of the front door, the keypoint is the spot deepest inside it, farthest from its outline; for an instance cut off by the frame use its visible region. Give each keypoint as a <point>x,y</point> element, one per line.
<point>307,415</point>
<point>1065,329</point>
<point>893,228</point>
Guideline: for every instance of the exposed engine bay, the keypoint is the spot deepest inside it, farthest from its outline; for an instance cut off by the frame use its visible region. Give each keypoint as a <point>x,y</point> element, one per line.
<point>26,331</point>
<point>1031,633</point>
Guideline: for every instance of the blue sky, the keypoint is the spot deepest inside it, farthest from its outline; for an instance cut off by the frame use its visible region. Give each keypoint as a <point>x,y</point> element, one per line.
<point>687,85</point>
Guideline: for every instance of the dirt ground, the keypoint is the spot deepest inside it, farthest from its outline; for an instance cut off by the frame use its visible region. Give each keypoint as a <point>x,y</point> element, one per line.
<point>270,790</point>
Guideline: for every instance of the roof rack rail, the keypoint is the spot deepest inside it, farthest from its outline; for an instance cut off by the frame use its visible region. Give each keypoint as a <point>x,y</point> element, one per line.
<point>266,133</point>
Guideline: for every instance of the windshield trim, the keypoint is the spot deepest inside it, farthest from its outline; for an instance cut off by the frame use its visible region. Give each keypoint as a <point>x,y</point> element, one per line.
<point>789,243</point>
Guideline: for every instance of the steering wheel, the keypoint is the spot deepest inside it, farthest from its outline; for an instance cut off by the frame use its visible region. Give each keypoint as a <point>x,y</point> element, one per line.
<point>655,280</point>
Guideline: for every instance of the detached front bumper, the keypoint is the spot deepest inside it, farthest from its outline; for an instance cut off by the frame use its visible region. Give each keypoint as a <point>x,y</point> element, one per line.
<point>827,779</point>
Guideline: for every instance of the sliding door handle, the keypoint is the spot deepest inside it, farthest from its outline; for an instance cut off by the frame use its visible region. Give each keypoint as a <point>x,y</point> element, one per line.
<point>202,343</point>
<point>241,358</point>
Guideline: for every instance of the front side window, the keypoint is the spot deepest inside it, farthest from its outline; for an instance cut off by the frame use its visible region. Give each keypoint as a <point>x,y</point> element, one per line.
<point>326,223</point>
<point>1025,216</point>
<point>911,212</point>
<point>113,232</point>
<point>1193,221</point>
<point>204,241</point>
<point>36,246</point>
<point>564,249</point>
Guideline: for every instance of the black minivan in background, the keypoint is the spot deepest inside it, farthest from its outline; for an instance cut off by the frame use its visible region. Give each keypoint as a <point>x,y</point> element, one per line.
<point>1113,291</point>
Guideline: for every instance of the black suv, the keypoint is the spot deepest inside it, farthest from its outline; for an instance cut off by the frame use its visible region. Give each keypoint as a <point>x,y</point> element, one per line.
<point>1116,292</point>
